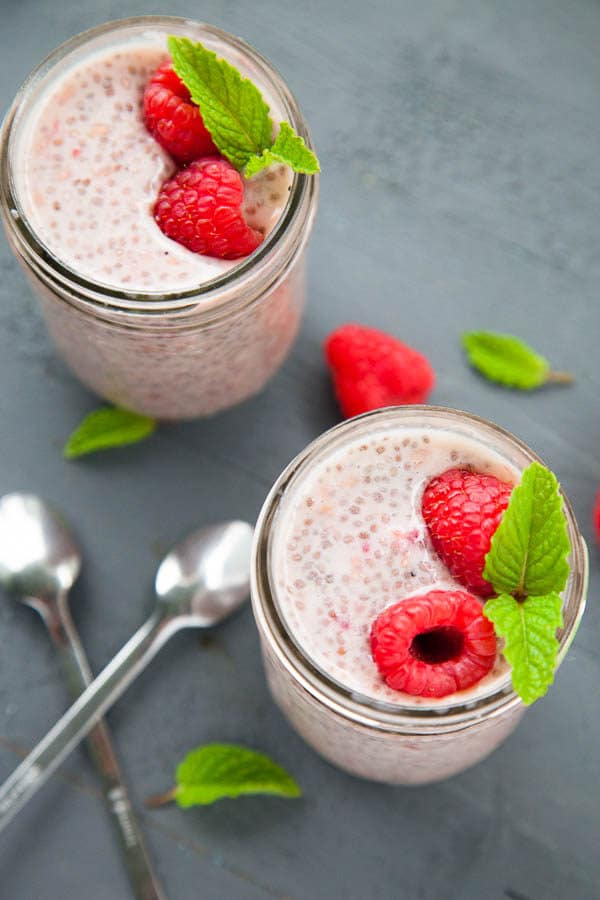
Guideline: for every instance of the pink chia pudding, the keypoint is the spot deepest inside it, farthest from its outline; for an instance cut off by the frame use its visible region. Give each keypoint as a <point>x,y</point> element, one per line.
<point>351,541</point>
<point>90,174</point>
<point>142,320</point>
<point>341,538</point>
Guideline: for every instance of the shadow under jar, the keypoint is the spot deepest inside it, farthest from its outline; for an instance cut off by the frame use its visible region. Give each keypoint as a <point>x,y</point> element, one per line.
<point>192,335</point>
<point>332,550</point>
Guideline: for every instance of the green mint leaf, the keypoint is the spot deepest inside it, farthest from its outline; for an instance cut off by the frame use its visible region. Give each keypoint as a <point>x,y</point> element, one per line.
<point>226,770</point>
<point>289,148</point>
<point>233,109</point>
<point>509,361</point>
<point>108,427</point>
<point>529,549</point>
<point>531,648</point>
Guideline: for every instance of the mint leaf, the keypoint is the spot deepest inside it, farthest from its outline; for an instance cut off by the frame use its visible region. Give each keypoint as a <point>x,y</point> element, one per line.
<point>529,629</point>
<point>108,427</point>
<point>528,552</point>
<point>527,566</point>
<point>233,109</point>
<point>235,113</point>
<point>509,361</point>
<point>289,148</point>
<point>227,770</point>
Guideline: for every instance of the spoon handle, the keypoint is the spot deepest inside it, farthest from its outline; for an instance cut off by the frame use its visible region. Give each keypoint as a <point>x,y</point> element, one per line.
<point>78,676</point>
<point>63,737</point>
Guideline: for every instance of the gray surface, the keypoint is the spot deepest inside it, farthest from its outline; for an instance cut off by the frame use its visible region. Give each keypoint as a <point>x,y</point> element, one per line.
<point>461,188</point>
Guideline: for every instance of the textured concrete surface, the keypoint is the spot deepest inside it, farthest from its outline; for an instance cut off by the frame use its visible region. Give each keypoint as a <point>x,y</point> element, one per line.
<point>461,188</point>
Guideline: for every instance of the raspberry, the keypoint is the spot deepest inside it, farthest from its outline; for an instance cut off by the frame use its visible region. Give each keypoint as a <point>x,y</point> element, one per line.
<point>462,510</point>
<point>200,207</point>
<point>596,517</point>
<point>172,119</point>
<point>372,369</point>
<point>434,644</point>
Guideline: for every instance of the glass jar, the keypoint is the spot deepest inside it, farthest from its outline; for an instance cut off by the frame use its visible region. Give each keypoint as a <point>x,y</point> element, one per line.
<point>171,355</point>
<point>397,744</point>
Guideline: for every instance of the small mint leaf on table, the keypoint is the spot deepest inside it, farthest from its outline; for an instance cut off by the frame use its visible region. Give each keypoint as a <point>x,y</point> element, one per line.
<point>108,427</point>
<point>235,112</point>
<point>529,629</point>
<point>528,552</point>
<point>288,149</point>
<point>508,360</point>
<point>216,771</point>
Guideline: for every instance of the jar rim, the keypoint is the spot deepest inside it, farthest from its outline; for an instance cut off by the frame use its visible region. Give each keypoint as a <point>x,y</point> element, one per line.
<point>252,275</point>
<point>348,703</point>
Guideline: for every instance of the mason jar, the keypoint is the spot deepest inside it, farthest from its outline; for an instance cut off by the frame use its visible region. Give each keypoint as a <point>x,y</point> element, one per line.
<point>182,353</point>
<point>396,743</point>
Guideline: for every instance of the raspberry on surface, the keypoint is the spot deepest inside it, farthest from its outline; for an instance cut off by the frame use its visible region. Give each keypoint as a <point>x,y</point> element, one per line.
<point>372,369</point>
<point>596,517</point>
<point>462,510</point>
<point>201,208</point>
<point>173,119</point>
<point>434,644</point>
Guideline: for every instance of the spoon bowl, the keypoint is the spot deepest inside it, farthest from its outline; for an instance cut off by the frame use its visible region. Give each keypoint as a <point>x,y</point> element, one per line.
<point>204,579</point>
<point>39,558</point>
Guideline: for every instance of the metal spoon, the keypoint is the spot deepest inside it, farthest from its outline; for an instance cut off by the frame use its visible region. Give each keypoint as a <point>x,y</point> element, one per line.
<point>200,583</point>
<point>39,563</point>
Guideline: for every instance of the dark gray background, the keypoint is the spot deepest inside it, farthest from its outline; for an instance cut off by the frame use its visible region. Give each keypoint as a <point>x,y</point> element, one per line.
<point>461,189</point>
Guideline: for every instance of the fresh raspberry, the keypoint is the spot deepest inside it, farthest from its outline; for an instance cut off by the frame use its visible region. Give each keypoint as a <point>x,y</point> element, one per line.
<point>372,369</point>
<point>172,119</point>
<point>462,510</point>
<point>200,207</point>
<point>596,517</point>
<point>434,644</point>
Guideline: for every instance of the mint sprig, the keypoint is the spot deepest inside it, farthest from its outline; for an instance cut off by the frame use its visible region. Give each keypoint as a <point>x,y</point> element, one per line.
<point>235,113</point>
<point>289,148</point>
<point>509,361</point>
<point>108,427</point>
<point>529,548</point>
<point>216,771</point>
<point>527,567</point>
<point>529,630</point>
